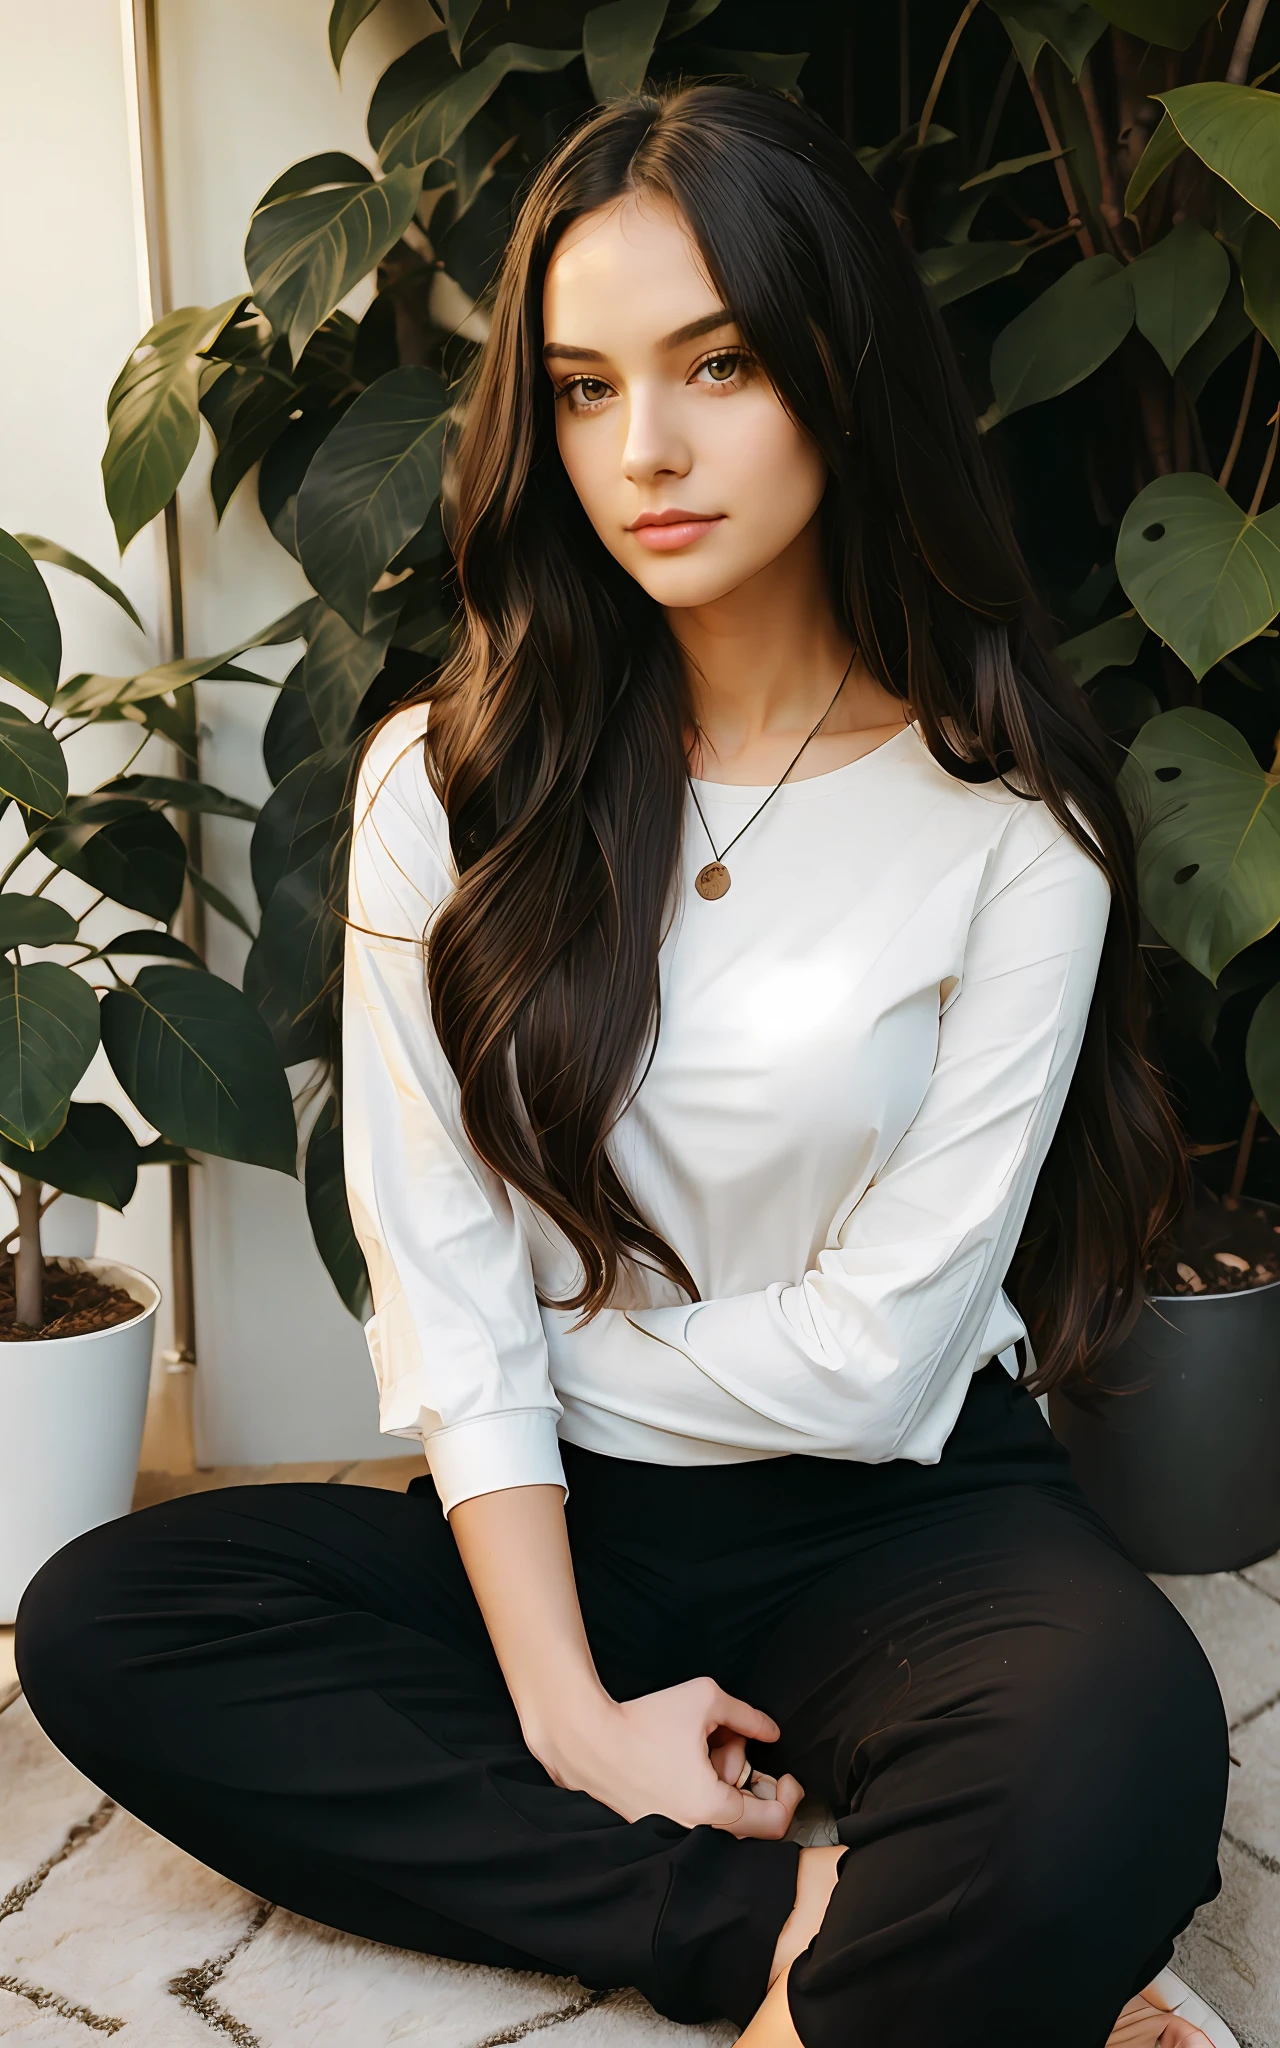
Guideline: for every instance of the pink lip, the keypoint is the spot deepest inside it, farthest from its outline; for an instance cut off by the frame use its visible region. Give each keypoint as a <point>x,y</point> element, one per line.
<point>664,532</point>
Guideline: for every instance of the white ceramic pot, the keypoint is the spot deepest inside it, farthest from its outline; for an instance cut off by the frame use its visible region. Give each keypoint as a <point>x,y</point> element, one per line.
<point>71,1414</point>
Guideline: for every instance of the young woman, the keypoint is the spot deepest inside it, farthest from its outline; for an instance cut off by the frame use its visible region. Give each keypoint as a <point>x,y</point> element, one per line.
<point>780,999</point>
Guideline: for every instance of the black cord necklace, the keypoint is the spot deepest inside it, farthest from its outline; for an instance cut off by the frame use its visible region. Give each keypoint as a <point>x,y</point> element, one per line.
<point>714,880</point>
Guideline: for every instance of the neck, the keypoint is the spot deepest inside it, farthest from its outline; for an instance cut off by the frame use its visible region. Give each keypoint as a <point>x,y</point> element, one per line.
<point>764,659</point>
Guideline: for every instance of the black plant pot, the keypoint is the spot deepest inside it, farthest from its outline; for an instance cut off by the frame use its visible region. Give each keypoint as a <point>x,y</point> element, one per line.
<point>1179,1446</point>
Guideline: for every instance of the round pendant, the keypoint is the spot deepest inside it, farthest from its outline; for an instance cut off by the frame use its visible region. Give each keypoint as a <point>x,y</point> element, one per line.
<point>712,881</point>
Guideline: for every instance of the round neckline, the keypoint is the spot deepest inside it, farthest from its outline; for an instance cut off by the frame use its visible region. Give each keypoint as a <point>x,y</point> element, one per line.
<point>816,784</point>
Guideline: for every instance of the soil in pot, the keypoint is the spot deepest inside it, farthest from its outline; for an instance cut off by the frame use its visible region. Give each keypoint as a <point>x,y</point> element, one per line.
<point>1220,1246</point>
<point>75,1304</point>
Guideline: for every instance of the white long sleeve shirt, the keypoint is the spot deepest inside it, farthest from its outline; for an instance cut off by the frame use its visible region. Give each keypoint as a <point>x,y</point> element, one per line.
<point>864,1050</point>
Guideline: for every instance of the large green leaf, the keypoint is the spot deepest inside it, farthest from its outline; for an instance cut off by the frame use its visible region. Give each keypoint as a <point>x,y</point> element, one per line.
<point>957,268</point>
<point>88,694</point>
<point>153,415</point>
<point>41,550</point>
<point>1260,276</point>
<point>430,129</point>
<point>289,736</point>
<point>137,860</point>
<point>32,769</point>
<point>248,409</point>
<point>371,487</point>
<point>1113,644</point>
<point>299,819</point>
<point>48,1035</point>
<point>196,1058</point>
<point>1262,1056</point>
<point>305,252</point>
<point>1235,129</point>
<point>30,642</point>
<point>1178,285</point>
<point>777,70</point>
<point>458,17</point>
<point>1203,574</point>
<point>34,921</point>
<point>95,1156</point>
<point>345,17</point>
<point>1164,148</point>
<point>330,1214</point>
<point>216,900</point>
<point>1062,337</point>
<point>408,84</point>
<point>150,945</point>
<point>1069,30</point>
<point>1208,824</point>
<point>1230,326</point>
<point>295,960</point>
<point>176,793</point>
<point>1170,23</point>
<point>617,43</point>
<point>340,664</point>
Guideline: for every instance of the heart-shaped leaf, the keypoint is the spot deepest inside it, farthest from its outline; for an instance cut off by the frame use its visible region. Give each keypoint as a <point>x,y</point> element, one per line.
<point>196,1058</point>
<point>1260,276</point>
<point>430,129</point>
<point>958,268</point>
<point>617,43</point>
<point>1178,285</point>
<point>1113,644</point>
<point>1164,148</point>
<point>371,487</point>
<point>1230,326</point>
<point>1235,129</point>
<point>1207,818</point>
<point>48,1035</point>
<point>153,415</point>
<point>1070,30</point>
<point>41,550</point>
<point>32,769</point>
<point>330,1214</point>
<point>1202,573</point>
<point>95,1156</point>
<point>34,921</point>
<point>1170,23</point>
<point>30,642</point>
<point>1062,337</point>
<point>1262,1056</point>
<point>305,252</point>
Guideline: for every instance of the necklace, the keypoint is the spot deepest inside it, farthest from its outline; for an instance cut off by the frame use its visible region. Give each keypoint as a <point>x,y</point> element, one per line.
<point>714,880</point>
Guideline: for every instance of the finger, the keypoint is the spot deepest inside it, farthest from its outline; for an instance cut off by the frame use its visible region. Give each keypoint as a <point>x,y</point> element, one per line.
<point>726,1712</point>
<point>729,1759</point>
<point>766,1819</point>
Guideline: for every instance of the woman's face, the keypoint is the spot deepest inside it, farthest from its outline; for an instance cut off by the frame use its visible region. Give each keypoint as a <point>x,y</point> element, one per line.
<point>688,466</point>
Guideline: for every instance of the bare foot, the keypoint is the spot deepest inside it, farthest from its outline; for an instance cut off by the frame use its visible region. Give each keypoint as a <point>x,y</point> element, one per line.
<point>1149,2019</point>
<point>815,1881</point>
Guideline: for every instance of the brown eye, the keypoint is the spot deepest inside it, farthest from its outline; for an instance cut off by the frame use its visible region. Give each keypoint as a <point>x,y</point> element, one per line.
<point>721,367</point>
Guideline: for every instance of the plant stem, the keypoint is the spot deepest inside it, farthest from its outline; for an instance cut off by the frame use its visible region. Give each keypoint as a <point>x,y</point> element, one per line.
<point>1112,206</point>
<point>1238,68</point>
<point>28,1267</point>
<point>1251,378</point>
<point>1242,1156</point>
<point>1264,477</point>
<point>944,65</point>
<point>1063,175</point>
<point>904,66</point>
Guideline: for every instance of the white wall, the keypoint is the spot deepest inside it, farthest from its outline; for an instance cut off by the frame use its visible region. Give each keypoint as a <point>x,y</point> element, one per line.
<point>246,88</point>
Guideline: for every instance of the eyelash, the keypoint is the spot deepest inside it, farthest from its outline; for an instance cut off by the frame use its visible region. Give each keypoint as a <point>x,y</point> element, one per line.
<point>737,356</point>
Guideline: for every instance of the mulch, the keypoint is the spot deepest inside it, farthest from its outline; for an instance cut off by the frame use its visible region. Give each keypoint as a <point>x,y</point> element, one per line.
<point>75,1305</point>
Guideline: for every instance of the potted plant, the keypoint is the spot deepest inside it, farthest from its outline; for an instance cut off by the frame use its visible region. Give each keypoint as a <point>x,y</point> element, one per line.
<point>190,1052</point>
<point>1092,195</point>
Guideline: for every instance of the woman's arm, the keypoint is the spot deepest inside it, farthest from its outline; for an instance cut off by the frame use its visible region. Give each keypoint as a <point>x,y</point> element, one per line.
<point>676,1752</point>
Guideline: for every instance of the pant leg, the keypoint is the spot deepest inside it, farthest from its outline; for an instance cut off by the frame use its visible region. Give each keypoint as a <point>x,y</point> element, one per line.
<point>1029,1753</point>
<point>295,1684</point>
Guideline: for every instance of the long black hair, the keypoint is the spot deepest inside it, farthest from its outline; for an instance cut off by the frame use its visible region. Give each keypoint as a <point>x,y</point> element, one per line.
<point>556,735</point>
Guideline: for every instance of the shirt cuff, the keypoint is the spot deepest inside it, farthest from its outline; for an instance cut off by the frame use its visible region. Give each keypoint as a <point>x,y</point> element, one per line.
<point>518,1447</point>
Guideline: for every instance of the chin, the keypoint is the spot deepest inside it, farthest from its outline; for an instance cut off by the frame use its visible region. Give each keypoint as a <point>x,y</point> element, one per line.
<point>681,585</point>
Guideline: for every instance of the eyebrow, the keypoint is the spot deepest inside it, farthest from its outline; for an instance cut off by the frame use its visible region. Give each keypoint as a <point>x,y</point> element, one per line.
<point>692,332</point>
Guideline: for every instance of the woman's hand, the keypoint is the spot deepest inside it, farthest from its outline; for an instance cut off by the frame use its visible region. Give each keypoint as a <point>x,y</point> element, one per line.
<point>677,1752</point>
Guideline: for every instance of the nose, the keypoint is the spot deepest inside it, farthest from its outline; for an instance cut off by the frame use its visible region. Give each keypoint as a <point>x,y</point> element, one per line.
<point>655,444</point>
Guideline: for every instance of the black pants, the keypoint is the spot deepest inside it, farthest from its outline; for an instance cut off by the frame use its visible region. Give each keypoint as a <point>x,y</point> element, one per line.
<point>1023,1741</point>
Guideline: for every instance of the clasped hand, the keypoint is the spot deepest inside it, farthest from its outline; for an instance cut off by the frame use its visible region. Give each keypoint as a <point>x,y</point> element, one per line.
<point>676,1752</point>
